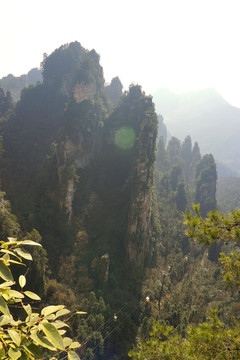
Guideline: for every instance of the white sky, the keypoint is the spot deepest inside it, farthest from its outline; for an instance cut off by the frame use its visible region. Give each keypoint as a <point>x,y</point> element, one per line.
<point>179,44</point>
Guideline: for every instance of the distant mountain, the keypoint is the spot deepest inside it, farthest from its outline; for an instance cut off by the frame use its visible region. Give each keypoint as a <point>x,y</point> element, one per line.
<point>207,118</point>
<point>15,84</point>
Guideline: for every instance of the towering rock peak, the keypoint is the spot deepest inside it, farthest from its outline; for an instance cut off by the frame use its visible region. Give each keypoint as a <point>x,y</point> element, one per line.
<point>83,165</point>
<point>114,90</point>
<point>135,129</point>
<point>118,152</point>
<point>73,70</point>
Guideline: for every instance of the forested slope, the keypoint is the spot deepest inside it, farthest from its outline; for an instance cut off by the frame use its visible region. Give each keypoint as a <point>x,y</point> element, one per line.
<point>80,165</point>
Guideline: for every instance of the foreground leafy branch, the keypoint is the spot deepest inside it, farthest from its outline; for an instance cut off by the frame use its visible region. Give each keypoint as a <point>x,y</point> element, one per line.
<point>25,336</point>
<point>218,227</point>
<point>214,227</point>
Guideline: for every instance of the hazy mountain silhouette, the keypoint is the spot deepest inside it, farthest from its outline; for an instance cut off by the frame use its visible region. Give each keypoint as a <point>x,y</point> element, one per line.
<point>15,84</point>
<point>207,118</point>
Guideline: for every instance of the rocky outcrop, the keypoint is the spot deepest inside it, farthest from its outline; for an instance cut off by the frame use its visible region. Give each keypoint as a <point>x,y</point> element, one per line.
<point>80,151</point>
<point>69,198</point>
<point>206,178</point>
<point>73,155</point>
<point>140,211</point>
<point>139,227</point>
<point>84,91</point>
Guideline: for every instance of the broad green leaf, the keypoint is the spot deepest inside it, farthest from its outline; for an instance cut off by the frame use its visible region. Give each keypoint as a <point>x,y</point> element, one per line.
<point>74,345</point>
<point>10,239</point>
<point>67,341</point>
<point>15,323</point>
<point>28,309</point>
<point>51,309</point>
<point>15,294</point>
<point>4,319</point>
<point>32,295</point>
<point>14,354</point>
<point>62,312</point>
<point>5,295</point>
<point>72,355</point>
<point>40,340</point>
<point>5,273</point>
<point>62,332</point>
<point>59,324</point>
<point>2,353</point>
<point>3,307</point>
<point>15,337</point>
<point>22,281</point>
<point>30,242</point>
<point>50,317</point>
<point>53,335</point>
<point>5,258</point>
<point>7,284</point>
<point>32,350</point>
<point>10,253</point>
<point>33,321</point>
<point>23,253</point>
<point>16,262</point>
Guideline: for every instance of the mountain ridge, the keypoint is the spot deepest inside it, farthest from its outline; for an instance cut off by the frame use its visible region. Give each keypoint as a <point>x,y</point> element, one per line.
<point>207,117</point>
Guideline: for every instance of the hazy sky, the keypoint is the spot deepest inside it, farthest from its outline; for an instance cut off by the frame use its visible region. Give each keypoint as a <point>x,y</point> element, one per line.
<point>179,44</point>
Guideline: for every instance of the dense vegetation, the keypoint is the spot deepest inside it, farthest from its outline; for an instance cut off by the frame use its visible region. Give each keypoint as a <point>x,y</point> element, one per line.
<point>80,164</point>
<point>211,339</point>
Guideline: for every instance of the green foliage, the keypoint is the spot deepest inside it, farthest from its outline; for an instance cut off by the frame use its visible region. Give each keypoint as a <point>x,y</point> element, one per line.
<point>8,222</point>
<point>61,62</point>
<point>84,117</point>
<point>92,330</point>
<point>175,171</point>
<point>71,64</point>
<point>218,227</point>
<point>6,102</point>
<point>194,284</point>
<point>181,197</point>
<point>24,337</point>
<point>210,340</point>
<point>214,227</point>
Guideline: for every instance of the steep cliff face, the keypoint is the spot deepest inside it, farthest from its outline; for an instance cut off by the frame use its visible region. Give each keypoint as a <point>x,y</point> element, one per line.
<point>71,155</point>
<point>114,161</point>
<point>84,91</point>
<point>95,172</point>
<point>140,212</point>
<point>206,177</point>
